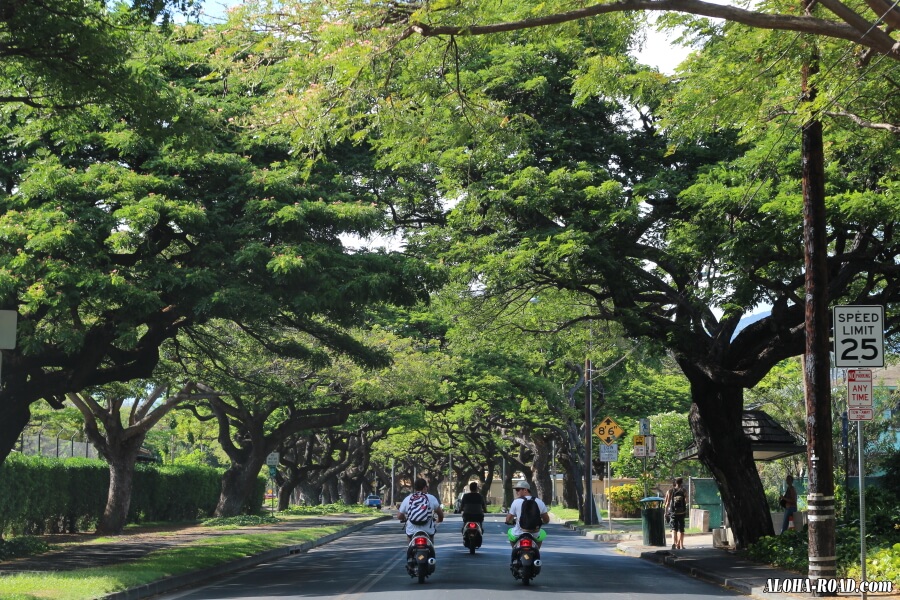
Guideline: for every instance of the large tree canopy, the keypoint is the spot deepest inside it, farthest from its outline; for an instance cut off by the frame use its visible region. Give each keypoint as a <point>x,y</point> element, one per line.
<point>114,241</point>
<point>554,184</point>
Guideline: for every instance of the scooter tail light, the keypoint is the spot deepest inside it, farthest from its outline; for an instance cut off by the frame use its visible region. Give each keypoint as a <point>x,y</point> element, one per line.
<point>421,542</point>
<point>472,525</point>
<point>525,543</point>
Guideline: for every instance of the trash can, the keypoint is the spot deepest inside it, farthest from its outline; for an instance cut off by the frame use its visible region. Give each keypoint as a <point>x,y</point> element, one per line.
<point>653,521</point>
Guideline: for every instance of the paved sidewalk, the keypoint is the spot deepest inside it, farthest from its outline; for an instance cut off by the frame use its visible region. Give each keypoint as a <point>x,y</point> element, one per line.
<point>701,559</point>
<point>724,567</point>
<point>83,552</point>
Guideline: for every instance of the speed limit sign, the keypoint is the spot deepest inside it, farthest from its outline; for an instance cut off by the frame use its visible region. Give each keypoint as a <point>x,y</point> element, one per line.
<point>858,336</point>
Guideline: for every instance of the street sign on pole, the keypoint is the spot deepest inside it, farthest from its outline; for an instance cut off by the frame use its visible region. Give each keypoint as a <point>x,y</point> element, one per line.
<point>859,395</point>
<point>8,320</point>
<point>608,431</point>
<point>640,451</point>
<point>858,336</point>
<point>644,426</point>
<point>272,459</point>
<point>650,443</point>
<point>609,453</point>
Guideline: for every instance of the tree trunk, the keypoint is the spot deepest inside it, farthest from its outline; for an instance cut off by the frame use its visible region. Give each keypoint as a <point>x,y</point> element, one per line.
<point>118,499</point>
<point>572,479</point>
<point>507,489</point>
<point>311,492</point>
<point>543,483</point>
<point>350,489</point>
<point>330,491</point>
<point>14,417</point>
<point>716,419</point>
<point>238,483</point>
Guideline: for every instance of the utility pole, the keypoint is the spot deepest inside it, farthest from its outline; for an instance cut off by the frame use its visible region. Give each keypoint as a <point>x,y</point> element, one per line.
<point>588,512</point>
<point>817,367</point>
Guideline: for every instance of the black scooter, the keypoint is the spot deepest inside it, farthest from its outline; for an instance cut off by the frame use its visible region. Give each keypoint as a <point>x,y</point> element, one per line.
<point>472,533</point>
<point>526,558</point>
<point>420,560</point>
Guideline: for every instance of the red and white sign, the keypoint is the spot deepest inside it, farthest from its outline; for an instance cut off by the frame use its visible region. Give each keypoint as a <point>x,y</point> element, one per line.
<point>860,414</point>
<point>859,388</point>
<point>859,395</point>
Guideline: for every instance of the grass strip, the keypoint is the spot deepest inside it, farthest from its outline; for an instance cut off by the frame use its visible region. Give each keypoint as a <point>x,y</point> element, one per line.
<point>89,584</point>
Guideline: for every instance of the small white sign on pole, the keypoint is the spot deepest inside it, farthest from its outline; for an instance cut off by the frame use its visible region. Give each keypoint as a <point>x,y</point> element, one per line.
<point>272,459</point>
<point>650,442</point>
<point>609,453</point>
<point>644,426</point>
<point>859,395</point>
<point>8,320</point>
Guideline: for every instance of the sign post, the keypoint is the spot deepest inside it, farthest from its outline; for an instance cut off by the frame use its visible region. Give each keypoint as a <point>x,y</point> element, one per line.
<point>609,431</point>
<point>859,343</point>
<point>8,320</point>
<point>272,462</point>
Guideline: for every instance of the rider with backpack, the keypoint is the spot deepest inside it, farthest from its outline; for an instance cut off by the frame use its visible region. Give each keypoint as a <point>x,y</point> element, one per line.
<point>526,514</point>
<point>419,509</point>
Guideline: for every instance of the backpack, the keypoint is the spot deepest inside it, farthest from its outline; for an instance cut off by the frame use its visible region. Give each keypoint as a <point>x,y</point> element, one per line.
<point>530,515</point>
<point>678,504</point>
<point>419,510</point>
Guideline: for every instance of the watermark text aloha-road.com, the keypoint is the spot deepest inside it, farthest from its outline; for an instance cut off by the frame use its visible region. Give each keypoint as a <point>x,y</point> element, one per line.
<point>800,585</point>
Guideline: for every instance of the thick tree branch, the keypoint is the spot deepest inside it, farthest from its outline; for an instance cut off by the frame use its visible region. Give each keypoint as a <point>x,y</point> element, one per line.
<point>871,36</point>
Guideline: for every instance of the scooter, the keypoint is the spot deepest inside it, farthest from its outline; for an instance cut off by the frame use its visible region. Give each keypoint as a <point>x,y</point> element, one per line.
<point>420,556</point>
<point>472,533</point>
<point>526,558</point>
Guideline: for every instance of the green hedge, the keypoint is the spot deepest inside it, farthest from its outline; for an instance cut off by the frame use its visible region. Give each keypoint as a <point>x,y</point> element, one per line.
<point>47,495</point>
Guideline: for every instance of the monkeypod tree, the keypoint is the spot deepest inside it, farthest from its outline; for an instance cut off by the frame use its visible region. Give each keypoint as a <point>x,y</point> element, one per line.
<point>113,240</point>
<point>554,185</point>
<point>263,392</point>
<point>117,419</point>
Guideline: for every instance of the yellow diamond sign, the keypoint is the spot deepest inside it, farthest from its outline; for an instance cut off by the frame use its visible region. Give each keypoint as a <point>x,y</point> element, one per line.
<point>608,430</point>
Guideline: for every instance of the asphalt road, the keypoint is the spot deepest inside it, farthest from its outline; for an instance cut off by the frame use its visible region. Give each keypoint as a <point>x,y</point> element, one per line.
<point>368,565</point>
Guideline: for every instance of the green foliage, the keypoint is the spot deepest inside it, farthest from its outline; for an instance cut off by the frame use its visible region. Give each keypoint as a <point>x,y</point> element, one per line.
<point>788,550</point>
<point>25,545</point>
<point>241,521</point>
<point>330,509</point>
<point>673,435</point>
<point>891,479</point>
<point>627,497</point>
<point>881,565</point>
<point>41,495</point>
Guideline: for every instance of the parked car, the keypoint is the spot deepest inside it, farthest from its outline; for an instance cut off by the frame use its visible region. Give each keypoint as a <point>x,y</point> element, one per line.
<point>373,501</point>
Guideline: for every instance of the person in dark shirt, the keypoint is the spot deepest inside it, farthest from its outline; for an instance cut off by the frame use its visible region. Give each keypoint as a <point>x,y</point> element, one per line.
<point>472,505</point>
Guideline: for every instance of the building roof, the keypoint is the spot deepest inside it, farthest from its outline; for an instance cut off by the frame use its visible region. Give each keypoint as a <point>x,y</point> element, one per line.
<point>768,439</point>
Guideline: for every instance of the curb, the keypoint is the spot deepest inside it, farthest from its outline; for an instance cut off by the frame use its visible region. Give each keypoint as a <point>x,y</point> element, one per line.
<point>599,536</point>
<point>172,583</point>
<point>739,585</point>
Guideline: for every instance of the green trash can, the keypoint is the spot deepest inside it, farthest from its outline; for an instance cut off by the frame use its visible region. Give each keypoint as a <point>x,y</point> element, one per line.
<point>653,521</point>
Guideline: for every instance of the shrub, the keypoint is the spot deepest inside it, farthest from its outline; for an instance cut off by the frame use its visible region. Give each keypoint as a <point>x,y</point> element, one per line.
<point>626,497</point>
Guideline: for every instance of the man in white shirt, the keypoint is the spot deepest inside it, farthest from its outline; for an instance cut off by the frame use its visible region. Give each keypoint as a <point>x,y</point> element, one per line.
<point>421,486</point>
<point>522,491</point>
